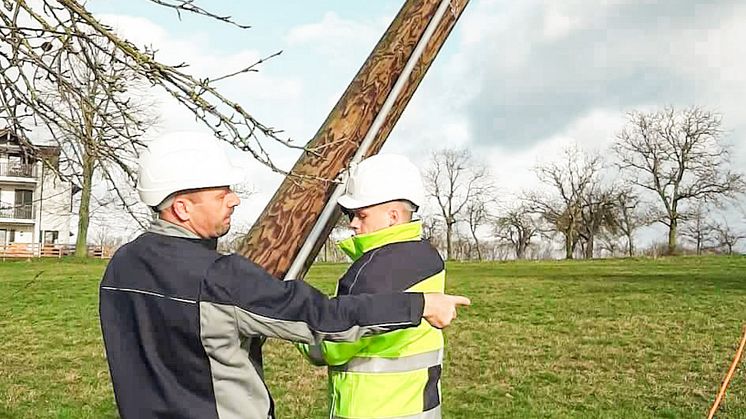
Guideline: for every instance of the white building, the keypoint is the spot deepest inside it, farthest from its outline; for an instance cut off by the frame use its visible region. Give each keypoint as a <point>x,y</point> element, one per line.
<point>35,205</point>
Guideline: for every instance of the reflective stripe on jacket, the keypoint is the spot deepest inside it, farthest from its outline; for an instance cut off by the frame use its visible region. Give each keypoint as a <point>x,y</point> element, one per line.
<point>397,374</point>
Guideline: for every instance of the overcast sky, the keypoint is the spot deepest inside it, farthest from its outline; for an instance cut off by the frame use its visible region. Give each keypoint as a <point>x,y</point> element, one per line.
<point>516,81</point>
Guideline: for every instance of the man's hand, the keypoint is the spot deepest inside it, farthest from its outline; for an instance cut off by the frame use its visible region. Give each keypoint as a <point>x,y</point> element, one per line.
<point>440,309</point>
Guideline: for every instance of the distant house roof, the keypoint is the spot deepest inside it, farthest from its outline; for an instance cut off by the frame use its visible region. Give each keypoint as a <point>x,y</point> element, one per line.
<point>46,152</point>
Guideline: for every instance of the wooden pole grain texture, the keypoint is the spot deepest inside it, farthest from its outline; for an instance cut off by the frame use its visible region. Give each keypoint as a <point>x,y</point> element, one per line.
<point>278,234</point>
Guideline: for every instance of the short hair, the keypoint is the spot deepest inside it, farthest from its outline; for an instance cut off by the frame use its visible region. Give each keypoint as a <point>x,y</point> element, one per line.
<point>165,203</point>
<point>409,206</point>
<point>169,200</point>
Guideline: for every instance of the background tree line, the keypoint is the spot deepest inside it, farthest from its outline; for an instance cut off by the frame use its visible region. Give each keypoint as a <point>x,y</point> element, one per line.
<point>666,167</point>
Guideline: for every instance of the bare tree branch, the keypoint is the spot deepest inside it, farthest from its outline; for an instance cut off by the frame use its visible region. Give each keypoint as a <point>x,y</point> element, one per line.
<point>454,179</point>
<point>570,179</point>
<point>38,38</point>
<point>697,228</point>
<point>190,7</point>
<point>679,156</point>
<point>517,226</point>
<point>726,236</point>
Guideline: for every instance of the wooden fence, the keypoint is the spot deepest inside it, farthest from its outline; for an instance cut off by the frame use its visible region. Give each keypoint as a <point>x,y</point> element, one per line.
<point>36,250</point>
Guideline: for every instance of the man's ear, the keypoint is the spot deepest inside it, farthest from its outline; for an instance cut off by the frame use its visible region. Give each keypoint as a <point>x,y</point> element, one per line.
<point>181,208</point>
<point>394,216</point>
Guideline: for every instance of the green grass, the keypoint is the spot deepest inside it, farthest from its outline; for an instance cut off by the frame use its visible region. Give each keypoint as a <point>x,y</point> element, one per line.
<point>608,338</point>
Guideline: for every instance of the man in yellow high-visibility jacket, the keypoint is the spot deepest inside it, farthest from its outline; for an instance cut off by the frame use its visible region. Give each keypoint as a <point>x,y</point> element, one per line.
<point>397,374</point>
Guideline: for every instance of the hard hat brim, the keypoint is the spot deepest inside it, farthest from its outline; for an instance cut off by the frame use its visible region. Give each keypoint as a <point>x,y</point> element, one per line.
<point>347,202</point>
<point>350,203</point>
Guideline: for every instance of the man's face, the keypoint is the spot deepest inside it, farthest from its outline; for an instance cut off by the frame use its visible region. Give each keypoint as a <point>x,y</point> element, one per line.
<point>377,217</point>
<point>210,211</point>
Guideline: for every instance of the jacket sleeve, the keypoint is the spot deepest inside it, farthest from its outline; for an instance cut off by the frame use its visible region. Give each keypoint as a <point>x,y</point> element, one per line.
<point>331,353</point>
<point>295,311</point>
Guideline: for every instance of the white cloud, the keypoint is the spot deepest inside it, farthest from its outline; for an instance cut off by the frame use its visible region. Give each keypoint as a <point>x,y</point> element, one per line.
<point>513,169</point>
<point>557,22</point>
<point>596,130</point>
<point>537,66</point>
<point>337,39</point>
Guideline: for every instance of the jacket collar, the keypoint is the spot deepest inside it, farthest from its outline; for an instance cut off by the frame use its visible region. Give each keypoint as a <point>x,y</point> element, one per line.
<point>166,228</point>
<point>356,246</point>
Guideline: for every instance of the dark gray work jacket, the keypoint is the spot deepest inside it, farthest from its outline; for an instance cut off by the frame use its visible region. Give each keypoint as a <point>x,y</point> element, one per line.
<point>183,326</point>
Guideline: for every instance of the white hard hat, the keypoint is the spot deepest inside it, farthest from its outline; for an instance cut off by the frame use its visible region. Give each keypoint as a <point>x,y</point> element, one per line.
<point>382,178</point>
<point>175,164</point>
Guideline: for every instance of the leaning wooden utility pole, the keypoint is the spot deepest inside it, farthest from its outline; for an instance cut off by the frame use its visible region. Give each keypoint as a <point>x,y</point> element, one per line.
<point>290,231</point>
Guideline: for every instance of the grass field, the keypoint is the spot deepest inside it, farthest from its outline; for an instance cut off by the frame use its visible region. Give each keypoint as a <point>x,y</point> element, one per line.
<point>608,338</point>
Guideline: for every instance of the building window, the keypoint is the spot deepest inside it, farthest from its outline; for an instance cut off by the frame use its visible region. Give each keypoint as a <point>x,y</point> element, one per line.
<point>12,236</point>
<point>50,237</point>
<point>3,237</point>
<point>6,208</point>
<point>24,204</point>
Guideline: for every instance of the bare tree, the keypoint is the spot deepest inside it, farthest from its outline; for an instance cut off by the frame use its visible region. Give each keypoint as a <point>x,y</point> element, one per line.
<point>611,243</point>
<point>477,216</point>
<point>98,129</point>
<point>697,228</point>
<point>631,215</point>
<point>597,213</point>
<point>726,236</point>
<point>454,179</point>
<point>517,227</point>
<point>104,238</point>
<point>38,37</point>
<point>569,179</point>
<point>679,156</point>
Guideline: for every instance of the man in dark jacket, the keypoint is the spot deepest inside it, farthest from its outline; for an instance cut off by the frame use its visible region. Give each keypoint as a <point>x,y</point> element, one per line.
<point>183,325</point>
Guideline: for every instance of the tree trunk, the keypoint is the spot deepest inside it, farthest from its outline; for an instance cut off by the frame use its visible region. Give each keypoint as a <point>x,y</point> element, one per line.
<point>520,251</point>
<point>672,236</point>
<point>569,245</point>
<point>449,231</point>
<point>476,243</point>
<point>630,245</point>
<point>88,162</point>
<point>277,236</point>
<point>589,247</point>
<point>84,212</point>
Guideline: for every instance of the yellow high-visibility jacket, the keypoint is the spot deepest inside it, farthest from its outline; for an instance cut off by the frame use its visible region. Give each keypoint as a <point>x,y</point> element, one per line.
<point>396,374</point>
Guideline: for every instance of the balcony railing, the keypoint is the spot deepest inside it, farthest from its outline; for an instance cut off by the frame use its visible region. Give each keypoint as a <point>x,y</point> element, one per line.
<point>21,212</point>
<point>22,170</point>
